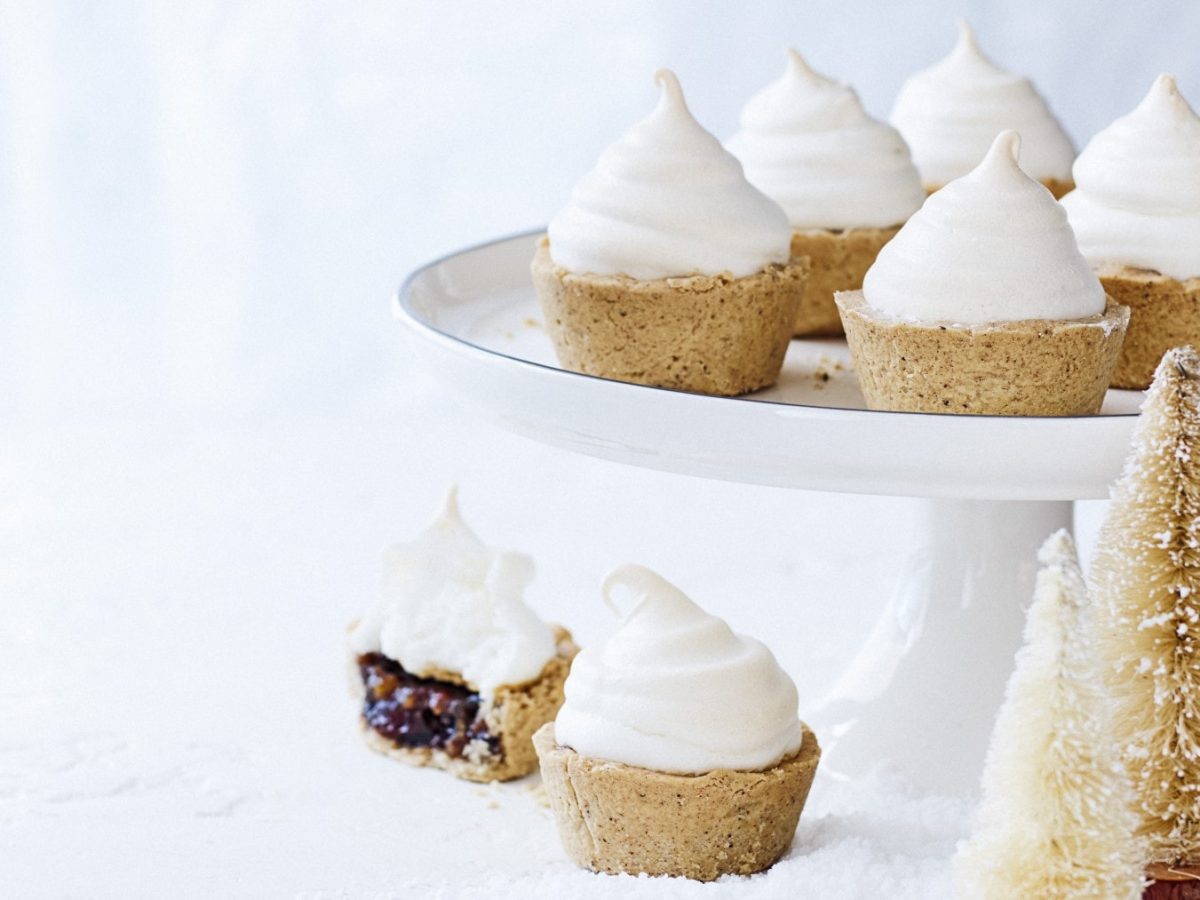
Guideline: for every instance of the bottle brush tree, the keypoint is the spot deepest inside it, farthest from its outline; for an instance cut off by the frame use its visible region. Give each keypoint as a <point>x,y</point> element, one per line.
<point>1056,820</point>
<point>1146,581</point>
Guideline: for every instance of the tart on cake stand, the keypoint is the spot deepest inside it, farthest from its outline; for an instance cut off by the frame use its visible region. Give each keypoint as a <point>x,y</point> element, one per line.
<point>921,694</point>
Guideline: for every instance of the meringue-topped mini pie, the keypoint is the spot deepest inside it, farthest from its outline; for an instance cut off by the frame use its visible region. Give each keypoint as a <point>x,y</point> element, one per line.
<point>451,667</point>
<point>678,750</point>
<point>667,267</point>
<point>845,180</point>
<point>984,304</point>
<point>1136,213</point>
<point>950,112</point>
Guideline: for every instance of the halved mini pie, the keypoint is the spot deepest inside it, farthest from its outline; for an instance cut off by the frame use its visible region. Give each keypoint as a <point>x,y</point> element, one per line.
<point>451,668</point>
<point>439,719</point>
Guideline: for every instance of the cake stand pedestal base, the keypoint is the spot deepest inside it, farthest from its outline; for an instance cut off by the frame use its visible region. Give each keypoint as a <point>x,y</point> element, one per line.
<point>920,696</point>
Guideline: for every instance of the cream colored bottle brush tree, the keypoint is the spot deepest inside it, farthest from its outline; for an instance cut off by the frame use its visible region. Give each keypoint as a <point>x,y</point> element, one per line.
<point>1056,820</point>
<point>1146,581</point>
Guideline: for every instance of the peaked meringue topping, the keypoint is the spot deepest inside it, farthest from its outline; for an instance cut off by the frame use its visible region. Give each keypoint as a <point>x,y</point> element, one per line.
<point>809,145</point>
<point>449,603</point>
<point>668,200</point>
<point>992,246</point>
<point>1137,195</point>
<point>950,112</point>
<point>674,689</point>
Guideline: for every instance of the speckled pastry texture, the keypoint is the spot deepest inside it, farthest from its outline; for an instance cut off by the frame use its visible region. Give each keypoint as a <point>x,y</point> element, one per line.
<point>1164,313</point>
<point>1035,367</point>
<point>1058,188</point>
<point>617,818</point>
<point>838,260</point>
<point>711,334</point>
<point>514,713</point>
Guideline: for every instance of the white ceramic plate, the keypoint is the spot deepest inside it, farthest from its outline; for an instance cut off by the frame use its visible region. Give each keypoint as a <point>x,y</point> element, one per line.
<point>476,325</point>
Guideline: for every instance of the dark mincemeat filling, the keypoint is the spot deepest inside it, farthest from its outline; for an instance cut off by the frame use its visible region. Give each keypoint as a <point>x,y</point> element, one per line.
<point>1172,890</point>
<point>421,712</point>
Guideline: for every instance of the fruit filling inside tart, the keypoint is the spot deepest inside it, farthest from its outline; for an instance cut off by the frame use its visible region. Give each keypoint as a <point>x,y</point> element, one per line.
<point>422,712</point>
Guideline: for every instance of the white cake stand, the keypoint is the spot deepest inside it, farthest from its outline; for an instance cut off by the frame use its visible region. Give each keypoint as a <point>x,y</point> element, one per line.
<point>923,690</point>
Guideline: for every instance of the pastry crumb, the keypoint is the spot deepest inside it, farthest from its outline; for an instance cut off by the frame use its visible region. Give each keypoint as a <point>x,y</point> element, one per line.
<point>826,367</point>
<point>537,791</point>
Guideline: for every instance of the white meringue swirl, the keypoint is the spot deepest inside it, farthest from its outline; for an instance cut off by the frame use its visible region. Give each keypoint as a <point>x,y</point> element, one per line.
<point>809,145</point>
<point>675,690</point>
<point>668,200</point>
<point>992,246</point>
<point>1137,195</point>
<point>950,112</point>
<point>449,603</point>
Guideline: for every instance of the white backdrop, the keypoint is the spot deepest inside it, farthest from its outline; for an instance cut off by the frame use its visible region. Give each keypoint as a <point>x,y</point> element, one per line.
<point>208,204</point>
<point>209,430</point>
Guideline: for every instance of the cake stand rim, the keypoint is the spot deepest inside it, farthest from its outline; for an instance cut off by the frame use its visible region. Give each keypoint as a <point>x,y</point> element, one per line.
<point>1110,430</point>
